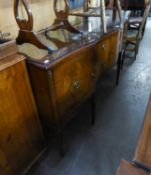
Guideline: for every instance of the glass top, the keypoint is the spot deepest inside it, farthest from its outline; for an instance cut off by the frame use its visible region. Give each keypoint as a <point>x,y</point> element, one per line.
<point>64,42</point>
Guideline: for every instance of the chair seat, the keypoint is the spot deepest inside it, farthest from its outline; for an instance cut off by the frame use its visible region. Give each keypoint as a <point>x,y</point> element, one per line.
<point>131,35</point>
<point>127,168</point>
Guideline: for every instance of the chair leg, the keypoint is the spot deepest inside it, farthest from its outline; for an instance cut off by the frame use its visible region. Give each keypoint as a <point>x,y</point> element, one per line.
<point>122,58</point>
<point>136,50</point>
<point>123,54</point>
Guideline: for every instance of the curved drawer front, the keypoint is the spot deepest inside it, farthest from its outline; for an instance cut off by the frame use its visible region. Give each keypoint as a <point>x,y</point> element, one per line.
<point>107,49</point>
<point>74,80</point>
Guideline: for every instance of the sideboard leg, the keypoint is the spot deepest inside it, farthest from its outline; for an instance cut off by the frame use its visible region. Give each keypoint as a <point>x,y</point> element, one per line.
<point>118,68</point>
<point>60,143</point>
<point>93,109</point>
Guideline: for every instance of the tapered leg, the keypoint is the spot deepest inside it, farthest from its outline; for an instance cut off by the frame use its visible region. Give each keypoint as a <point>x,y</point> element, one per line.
<point>61,143</point>
<point>93,109</point>
<point>118,68</point>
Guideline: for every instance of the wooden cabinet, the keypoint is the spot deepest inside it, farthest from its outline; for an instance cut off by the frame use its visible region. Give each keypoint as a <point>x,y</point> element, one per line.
<point>63,80</point>
<point>65,64</point>
<point>21,137</point>
<point>62,87</point>
<point>143,151</point>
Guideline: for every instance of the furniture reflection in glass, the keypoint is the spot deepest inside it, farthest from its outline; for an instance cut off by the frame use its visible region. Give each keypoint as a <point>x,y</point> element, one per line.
<point>26,33</point>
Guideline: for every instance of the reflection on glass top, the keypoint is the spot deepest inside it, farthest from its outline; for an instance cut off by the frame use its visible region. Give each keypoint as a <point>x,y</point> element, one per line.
<point>64,42</point>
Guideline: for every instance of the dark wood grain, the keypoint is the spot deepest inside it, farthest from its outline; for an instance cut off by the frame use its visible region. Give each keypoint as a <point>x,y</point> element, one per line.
<point>143,151</point>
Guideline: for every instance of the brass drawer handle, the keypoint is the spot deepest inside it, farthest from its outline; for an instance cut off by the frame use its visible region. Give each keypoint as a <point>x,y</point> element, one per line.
<point>76,85</point>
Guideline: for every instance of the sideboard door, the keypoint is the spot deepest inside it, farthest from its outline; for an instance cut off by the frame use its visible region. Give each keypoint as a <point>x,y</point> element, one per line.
<point>74,81</point>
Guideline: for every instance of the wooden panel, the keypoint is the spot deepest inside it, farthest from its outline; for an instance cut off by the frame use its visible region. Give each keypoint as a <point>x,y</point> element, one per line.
<point>8,49</point>
<point>74,79</point>
<point>129,169</point>
<point>5,168</point>
<point>107,49</point>
<point>40,84</point>
<point>143,151</point>
<point>21,138</point>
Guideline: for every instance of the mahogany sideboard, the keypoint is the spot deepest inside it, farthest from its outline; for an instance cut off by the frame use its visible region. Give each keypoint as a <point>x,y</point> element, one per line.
<point>21,136</point>
<point>64,79</point>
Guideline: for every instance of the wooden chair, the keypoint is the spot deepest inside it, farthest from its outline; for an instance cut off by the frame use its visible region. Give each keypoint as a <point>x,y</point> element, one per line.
<point>99,11</point>
<point>127,168</point>
<point>26,33</point>
<point>131,38</point>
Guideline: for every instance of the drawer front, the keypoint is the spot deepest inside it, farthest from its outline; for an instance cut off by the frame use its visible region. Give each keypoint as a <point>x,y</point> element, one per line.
<point>107,50</point>
<point>74,80</point>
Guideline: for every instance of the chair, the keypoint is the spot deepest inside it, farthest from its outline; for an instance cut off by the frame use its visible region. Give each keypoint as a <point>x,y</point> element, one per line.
<point>131,38</point>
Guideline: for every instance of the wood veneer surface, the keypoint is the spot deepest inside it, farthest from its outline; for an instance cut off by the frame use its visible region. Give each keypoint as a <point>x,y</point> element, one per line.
<point>143,151</point>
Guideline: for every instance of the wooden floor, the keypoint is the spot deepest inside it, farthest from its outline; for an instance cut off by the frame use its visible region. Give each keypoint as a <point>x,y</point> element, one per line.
<point>98,150</point>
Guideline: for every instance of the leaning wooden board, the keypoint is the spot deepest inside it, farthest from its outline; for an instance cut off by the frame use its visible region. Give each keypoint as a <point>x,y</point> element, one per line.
<point>21,137</point>
<point>143,151</point>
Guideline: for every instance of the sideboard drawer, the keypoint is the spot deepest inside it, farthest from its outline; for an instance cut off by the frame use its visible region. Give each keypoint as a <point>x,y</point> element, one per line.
<point>107,49</point>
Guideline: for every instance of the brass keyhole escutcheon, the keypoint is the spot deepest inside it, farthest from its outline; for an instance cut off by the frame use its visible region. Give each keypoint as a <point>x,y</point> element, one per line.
<point>104,47</point>
<point>76,85</point>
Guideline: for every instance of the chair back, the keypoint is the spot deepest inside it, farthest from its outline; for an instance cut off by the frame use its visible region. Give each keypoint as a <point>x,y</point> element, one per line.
<point>145,15</point>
